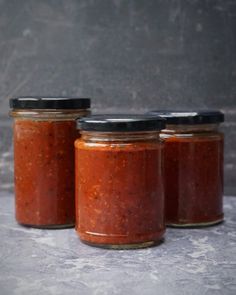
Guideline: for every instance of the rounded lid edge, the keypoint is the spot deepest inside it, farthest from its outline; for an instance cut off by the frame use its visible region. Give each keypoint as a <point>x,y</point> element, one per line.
<point>120,123</point>
<point>49,103</point>
<point>190,117</point>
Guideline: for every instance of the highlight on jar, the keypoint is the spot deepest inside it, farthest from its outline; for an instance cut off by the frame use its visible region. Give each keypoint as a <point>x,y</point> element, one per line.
<point>44,131</point>
<point>119,181</point>
<point>193,167</point>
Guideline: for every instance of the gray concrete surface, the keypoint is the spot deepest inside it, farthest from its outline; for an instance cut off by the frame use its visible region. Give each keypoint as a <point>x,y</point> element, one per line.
<point>55,262</point>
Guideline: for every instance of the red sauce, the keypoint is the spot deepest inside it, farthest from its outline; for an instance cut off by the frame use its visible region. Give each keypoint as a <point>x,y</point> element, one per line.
<point>193,179</point>
<point>44,172</point>
<point>119,194</point>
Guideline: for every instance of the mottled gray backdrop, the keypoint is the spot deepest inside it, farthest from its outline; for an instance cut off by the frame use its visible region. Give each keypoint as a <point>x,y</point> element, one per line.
<point>128,55</point>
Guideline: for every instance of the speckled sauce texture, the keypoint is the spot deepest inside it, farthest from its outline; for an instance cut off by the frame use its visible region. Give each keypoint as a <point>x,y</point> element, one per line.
<point>196,261</point>
<point>119,192</point>
<point>44,172</point>
<point>193,168</point>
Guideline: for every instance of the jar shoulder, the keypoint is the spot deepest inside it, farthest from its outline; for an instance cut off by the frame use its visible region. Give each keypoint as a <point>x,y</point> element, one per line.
<point>48,115</point>
<point>120,145</point>
<point>204,136</point>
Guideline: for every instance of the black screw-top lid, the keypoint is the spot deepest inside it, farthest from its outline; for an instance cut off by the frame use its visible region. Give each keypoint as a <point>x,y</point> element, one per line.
<point>122,123</point>
<point>49,103</point>
<point>190,117</point>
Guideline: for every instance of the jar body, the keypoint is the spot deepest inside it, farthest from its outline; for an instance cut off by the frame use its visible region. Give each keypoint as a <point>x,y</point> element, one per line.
<point>193,168</point>
<point>44,167</point>
<point>119,190</point>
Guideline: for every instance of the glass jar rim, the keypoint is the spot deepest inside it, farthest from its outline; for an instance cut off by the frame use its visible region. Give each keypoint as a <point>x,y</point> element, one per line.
<point>48,114</point>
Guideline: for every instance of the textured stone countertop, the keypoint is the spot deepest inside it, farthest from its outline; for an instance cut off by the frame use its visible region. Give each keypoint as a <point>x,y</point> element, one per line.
<point>198,261</point>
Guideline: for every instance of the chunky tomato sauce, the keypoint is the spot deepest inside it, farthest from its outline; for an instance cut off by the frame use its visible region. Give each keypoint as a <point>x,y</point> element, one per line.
<point>193,179</point>
<point>119,193</point>
<point>44,172</point>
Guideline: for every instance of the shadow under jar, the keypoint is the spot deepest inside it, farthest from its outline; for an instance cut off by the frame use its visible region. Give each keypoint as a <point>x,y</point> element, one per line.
<point>193,167</point>
<point>119,184</point>
<point>44,131</point>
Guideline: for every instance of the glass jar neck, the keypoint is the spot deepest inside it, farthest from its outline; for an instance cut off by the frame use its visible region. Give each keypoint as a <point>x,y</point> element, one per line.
<point>49,114</point>
<point>94,136</point>
<point>198,128</point>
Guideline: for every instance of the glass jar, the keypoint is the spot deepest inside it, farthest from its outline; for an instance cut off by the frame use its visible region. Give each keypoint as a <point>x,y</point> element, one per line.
<point>44,132</point>
<point>193,167</point>
<point>119,184</point>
